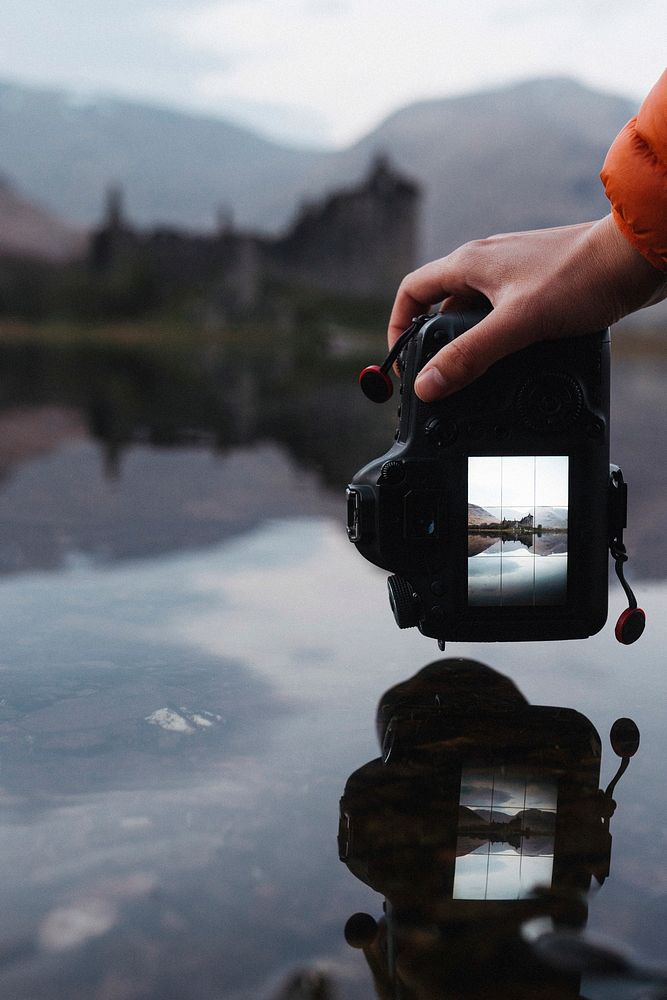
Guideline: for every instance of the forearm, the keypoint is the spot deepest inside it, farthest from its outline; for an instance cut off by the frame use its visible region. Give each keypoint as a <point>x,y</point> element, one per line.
<point>639,283</point>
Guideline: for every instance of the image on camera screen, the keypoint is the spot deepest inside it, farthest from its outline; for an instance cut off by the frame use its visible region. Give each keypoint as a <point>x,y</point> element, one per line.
<point>506,832</point>
<point>517,530</point>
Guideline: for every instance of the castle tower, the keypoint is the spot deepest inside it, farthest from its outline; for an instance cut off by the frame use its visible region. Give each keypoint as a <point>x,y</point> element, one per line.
<point>361,241</point>
<point>114,237</point>
<point>114,219</point>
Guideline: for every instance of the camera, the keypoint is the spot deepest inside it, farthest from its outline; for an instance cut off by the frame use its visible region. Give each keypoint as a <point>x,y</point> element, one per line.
<point>468,763</point>
<point>482,813</point>
<point>495,508</point>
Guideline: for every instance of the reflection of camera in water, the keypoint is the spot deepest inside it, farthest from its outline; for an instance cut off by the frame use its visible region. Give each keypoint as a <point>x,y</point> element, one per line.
<point>482,813</point>
<point>494,508</point>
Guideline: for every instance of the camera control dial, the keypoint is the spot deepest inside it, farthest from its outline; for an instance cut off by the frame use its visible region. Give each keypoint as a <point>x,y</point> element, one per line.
<point>392,472</point>
<point>551,401</point>
<point>403,602</point>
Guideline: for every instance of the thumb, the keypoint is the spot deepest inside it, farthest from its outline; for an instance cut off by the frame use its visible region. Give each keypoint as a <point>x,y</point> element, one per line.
<point>467,357</point>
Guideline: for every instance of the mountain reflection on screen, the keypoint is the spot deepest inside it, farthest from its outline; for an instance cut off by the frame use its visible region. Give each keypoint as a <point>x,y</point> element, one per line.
<point>505,836</point>
<point>517,530</point>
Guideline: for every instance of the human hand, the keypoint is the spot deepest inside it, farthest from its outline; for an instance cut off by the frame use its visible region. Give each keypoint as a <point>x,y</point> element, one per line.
<point>543,284</point>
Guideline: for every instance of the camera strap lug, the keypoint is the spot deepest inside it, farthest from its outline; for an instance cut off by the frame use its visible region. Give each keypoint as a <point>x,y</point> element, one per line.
<point>632,621</point>
<point>374,379</point>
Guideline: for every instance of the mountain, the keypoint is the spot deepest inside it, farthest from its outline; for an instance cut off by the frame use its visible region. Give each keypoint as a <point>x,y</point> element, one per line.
<point>174,167</point>
<point>27,230</point>
<point>536,820</point>
<point>479,515</point>
<point>486,814</point>
<point>548,517</point>
<point>551,517</point>
<point>521,156</point>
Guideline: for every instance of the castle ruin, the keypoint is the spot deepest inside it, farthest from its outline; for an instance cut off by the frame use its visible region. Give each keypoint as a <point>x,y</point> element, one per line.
<point>357,242</point>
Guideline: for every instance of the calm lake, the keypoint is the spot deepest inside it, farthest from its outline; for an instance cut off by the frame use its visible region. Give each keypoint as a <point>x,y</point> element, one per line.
<point>192,661</point>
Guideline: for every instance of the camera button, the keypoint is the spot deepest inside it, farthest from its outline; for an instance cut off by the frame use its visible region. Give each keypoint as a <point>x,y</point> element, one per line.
<point>475,430</point>
<point>439,432</point>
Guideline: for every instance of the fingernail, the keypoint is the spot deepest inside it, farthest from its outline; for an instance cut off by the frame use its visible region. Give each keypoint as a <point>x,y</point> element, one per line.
<point>430,384</point>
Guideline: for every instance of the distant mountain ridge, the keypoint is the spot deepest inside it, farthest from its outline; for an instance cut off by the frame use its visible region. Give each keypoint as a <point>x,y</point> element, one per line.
<point>548,517</point>
<point>175,168</point>
<point>479,515</point>
<point>521,156</point>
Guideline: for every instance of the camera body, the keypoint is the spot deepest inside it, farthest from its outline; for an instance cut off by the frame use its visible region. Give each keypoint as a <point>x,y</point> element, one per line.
<point>482,813</point>
<point>491,508</point>
<point>460,767</point>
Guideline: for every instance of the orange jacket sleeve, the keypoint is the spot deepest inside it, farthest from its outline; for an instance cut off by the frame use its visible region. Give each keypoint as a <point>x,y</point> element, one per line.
<point>635,177</point>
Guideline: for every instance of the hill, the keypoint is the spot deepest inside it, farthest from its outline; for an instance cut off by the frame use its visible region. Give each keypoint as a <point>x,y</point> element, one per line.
<point>548,517</point>
<point>27,230</point>
<point>522,156</point>
<point>479,515</point>
<point>175,168</point>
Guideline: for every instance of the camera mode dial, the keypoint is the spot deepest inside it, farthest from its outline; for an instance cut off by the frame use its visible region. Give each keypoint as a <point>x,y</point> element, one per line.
<point>551,401</point>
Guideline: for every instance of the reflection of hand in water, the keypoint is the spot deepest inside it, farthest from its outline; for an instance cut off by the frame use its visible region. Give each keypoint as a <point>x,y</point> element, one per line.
<point>482,813</point>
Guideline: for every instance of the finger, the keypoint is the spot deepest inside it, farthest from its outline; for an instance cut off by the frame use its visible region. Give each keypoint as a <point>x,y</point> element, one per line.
<point>448,303</point>
<point>462,302</point>
<point>468,356</point>
<point>420,290</point>
<point>406,307</point>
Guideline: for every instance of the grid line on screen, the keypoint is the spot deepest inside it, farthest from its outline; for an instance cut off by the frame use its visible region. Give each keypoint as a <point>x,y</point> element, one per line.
<point>518,512</point>
<point>506,831</point>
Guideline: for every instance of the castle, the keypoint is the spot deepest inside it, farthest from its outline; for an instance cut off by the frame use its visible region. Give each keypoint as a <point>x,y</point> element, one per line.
<point>357,242</point>
<point>525,523</point>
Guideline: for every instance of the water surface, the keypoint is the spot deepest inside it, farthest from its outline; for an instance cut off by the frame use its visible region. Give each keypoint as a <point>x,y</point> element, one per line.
<point>192,658</point>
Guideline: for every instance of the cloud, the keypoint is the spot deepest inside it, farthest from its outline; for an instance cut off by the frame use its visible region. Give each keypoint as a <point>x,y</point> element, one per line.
<point>354,63</point>
<point>119,48</point>
<point>310,67</point>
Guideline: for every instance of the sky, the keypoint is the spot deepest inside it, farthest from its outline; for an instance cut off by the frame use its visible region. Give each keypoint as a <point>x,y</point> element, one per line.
<point>324,72</point>
<point>523,481</point>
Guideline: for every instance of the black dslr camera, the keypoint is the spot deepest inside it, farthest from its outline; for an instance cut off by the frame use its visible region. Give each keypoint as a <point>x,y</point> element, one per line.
<point>495,508</point>
<point>483,813</point>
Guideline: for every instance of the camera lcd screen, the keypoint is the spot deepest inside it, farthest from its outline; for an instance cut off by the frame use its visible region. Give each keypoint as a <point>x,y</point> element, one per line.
<point>506,833</point>
<point>517,530</point>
